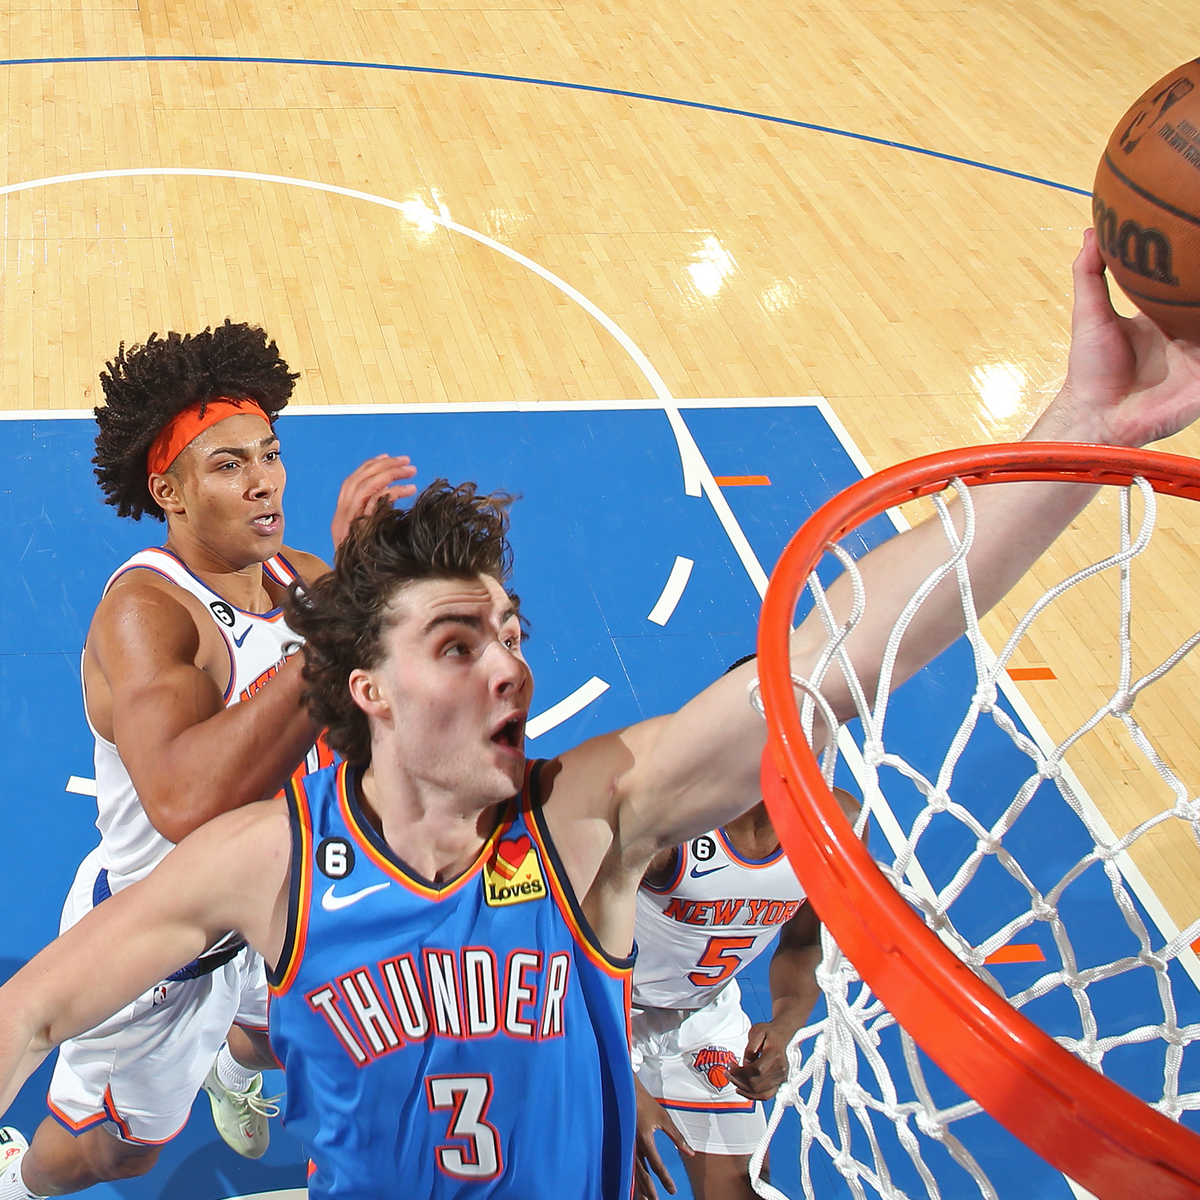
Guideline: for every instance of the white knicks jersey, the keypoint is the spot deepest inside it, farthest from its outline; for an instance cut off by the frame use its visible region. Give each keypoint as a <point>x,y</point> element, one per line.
<point>258,644</point>
<point>717,913</point>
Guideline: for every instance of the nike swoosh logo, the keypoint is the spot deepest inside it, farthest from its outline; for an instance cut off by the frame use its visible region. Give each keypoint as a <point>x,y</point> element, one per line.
<point>331,903</point>
<point>238,641</point>
<point>695,874</point>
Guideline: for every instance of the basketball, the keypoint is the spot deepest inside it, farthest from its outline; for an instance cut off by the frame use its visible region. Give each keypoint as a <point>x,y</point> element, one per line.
<point>1146,202</point>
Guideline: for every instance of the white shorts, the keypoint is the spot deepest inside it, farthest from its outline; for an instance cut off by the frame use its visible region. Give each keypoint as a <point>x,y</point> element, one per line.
<point>680,1056</point>
<point>137,1073</point>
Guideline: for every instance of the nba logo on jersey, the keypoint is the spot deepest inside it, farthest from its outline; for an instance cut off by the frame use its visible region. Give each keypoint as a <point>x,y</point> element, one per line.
<point>513,875</point>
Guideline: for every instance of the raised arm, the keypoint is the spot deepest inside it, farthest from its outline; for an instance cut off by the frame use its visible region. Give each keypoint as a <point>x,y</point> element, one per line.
<point>232,874</point>
<point>1127,384</point>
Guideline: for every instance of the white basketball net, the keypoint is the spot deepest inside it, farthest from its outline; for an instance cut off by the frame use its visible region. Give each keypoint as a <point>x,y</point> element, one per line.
<point>838,1059</point>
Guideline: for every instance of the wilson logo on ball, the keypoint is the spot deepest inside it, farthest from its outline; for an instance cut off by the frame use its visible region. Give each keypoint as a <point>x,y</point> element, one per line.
<point>1145,252</point>
<point>1147,202</point>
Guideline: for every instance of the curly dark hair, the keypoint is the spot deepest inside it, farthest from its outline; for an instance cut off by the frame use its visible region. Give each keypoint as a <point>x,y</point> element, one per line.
<point>148,385</point>
<point>448,533</point>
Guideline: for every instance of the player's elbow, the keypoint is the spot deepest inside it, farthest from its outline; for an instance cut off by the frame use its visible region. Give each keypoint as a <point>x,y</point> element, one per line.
<point>27,1026</point>
<point>177,811</point>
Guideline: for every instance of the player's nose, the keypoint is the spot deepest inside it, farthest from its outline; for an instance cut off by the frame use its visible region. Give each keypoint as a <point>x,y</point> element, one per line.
<point>260,483</point>
<point>511,675</point>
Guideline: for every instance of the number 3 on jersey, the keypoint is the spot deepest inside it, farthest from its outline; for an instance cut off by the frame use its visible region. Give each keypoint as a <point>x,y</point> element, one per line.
<point>468,1096</point>
<point>721,955</point>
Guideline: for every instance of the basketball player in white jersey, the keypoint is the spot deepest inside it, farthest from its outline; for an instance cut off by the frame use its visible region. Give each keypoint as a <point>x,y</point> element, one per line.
<point>418,668</point>
<point>705,911</point>
<point>195,708</point>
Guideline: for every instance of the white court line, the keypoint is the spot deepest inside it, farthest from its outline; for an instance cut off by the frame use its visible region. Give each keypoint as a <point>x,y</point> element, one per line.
<point>681,572</point>
<point>689,455</point>
<point>697,478</point>
<point>469,406</point>
<point>286,1194</point>
<point>79,786</point>
<point>567,707</point>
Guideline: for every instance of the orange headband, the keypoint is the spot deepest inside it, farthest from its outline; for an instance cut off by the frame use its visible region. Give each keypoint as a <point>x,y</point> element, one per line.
<point>188,425</point>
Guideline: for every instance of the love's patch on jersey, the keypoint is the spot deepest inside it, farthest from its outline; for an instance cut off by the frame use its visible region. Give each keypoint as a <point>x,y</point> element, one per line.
<point>513,874</point>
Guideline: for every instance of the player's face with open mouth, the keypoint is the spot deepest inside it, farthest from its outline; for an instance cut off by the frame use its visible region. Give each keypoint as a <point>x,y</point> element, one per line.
<point>457,689</point>
<point>232,480</point>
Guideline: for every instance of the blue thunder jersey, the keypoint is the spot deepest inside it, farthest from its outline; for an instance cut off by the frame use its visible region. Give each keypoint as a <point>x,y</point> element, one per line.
<point>469,1040</point>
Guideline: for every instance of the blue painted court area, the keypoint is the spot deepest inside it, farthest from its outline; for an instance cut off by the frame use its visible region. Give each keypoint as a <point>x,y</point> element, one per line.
<point>602,519</point>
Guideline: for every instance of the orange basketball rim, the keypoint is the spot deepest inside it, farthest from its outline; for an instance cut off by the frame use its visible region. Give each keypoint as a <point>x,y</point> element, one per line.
<point>1082,1123</point>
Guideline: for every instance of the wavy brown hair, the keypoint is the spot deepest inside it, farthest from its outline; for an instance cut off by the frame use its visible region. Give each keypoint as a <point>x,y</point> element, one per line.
<point>147,385</point>
<point>448,533</point>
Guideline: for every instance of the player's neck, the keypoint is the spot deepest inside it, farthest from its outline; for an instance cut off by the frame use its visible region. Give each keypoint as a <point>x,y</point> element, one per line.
<point>752,834</point>
<point>436,834</point>
<point>241,584</point>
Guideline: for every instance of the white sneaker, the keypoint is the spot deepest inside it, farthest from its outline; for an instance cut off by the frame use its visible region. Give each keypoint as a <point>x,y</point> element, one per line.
<point>12,1149</point>
<point>12,1145</point>
<point>241,1117</point>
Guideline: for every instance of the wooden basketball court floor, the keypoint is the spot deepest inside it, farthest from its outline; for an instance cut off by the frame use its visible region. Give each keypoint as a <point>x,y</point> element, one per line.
<point>516,201</point>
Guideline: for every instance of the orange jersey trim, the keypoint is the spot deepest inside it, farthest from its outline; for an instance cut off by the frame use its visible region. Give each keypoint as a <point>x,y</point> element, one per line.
<point>392,867</point>
<point>703,1106</point>
<point>566,900</point>
<point>75,1127</point>
<point>753,864</point>
<point>108,1113</point>
<point>297,932</point>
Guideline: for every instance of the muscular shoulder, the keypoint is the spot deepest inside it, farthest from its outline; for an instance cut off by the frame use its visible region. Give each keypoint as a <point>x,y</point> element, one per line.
<point>143,606</point>
<point>308,566</point>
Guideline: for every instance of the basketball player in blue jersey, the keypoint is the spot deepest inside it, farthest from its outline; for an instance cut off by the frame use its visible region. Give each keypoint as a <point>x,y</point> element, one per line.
<point>195,711</point>
<point>448,926</point>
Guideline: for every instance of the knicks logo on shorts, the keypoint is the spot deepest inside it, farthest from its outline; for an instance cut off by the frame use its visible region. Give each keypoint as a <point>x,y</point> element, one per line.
<point>513,874</point>
<point>713,1063</point>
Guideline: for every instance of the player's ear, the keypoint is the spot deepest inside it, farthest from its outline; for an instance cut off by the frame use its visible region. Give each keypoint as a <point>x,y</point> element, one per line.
<point>365,692</point>
<point>166,492</point>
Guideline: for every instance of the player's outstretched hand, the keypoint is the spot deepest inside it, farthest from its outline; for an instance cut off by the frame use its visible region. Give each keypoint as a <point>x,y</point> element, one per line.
<point>378,476</point>
<point>764,1065</point>
<point>1127,383</point>
<point>652,1116</point>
